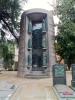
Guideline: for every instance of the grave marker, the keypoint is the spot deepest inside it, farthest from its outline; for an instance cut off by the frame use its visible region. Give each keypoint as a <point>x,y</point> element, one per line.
<point>59,74</point>
<point>64,92</point>
<point>73,75</point>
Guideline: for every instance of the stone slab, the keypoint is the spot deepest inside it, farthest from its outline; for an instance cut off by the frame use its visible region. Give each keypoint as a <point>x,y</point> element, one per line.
<point>73,83</point>
<point>64,92</point>
<point>73,75</point>
<point>4,85</point>
<point>59,74</point>
<point>6,90</point>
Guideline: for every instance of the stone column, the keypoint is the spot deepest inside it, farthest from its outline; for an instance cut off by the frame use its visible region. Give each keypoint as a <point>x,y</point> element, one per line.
<point>50,36</point>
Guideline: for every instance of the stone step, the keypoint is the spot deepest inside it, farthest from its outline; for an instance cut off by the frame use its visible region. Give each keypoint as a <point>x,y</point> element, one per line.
<point>37,74</point>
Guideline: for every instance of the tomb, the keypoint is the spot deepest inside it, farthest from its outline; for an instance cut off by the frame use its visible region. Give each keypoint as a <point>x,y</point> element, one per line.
<point>36,43</point>
<point>64,92</point>
<point>59,74</point>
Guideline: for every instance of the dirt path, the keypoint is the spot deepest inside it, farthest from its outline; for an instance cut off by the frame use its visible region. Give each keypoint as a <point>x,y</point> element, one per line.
<point>30,89</point>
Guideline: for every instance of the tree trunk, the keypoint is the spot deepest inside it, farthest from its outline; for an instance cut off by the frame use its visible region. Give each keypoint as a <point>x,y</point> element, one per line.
<point>21,60</point>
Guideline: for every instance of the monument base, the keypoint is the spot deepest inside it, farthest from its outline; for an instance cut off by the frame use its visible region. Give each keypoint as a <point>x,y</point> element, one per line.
<point>64,92</point>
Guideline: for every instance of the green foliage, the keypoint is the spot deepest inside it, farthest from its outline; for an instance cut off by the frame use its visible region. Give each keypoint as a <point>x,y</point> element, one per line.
<point>12,7</point>
<point>10,11</point>
<point>66,38</point>
<point>7,55</point>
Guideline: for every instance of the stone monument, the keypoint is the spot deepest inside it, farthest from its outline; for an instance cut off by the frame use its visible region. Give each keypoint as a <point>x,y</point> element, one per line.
<point>36,43</point>
<point>73,75</point>
<point>59,74</point>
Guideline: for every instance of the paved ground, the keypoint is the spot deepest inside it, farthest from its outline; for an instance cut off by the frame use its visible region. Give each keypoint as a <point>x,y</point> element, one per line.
<point>32,89</point>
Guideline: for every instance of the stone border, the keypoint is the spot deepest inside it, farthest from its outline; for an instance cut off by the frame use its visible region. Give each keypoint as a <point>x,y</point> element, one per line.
<point>61,98</point>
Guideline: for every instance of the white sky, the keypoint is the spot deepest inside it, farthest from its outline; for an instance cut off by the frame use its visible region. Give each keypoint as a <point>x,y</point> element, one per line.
<point>45,4</point>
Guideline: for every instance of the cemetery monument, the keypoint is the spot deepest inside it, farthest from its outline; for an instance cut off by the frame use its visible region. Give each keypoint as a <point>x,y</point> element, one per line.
<point>36,50</point>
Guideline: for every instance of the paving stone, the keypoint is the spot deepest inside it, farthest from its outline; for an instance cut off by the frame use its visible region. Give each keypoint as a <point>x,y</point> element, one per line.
<point>6,90</point>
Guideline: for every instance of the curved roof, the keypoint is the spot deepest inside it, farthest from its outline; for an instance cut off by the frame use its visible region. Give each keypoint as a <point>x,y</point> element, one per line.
<point>36,10</point>
<point>36,13</point>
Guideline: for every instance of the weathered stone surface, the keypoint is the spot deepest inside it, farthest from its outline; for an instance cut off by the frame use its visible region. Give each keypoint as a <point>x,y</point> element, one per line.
<point>6,90</point>
<point>59,74</point>
<point>29,18</point>
<point>73,75</point>
<point>63,92</point>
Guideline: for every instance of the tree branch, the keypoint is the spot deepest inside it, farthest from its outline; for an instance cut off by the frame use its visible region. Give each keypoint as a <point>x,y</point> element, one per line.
<point>11,30</point>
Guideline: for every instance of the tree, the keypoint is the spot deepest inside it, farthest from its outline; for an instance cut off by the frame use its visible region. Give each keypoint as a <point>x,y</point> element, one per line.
<point>65,46</point>
<point>9,13</point>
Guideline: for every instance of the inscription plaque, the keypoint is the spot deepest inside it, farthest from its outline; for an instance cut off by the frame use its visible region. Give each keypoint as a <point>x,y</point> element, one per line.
<point>59,71</point>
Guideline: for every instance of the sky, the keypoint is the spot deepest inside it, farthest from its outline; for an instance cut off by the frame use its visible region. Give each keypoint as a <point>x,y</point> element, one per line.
<point>45,4</point>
